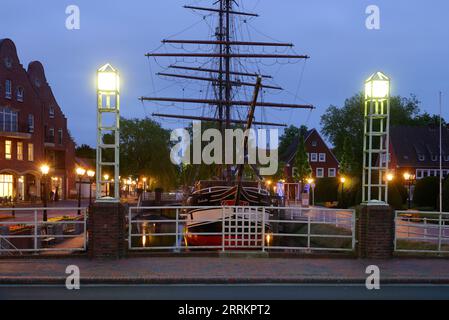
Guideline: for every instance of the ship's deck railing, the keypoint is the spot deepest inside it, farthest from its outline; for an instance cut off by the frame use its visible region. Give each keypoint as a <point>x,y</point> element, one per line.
<point>241,228</point>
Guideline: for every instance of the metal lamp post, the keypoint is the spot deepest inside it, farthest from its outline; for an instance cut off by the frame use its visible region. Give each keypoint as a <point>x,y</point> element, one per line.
<point>45,169</point>
<point>80,172</point>
<point>409,178</point>
<point>342,181</point>
<point>311,182</point>
<point>108,103</point>
<point>91,175</point>
<point>376,139</point>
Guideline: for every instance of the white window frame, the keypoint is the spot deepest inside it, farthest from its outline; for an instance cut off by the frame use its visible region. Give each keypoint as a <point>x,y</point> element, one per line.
<point>51,112</point>
<point>313,157</point>
<point>322,157</point>
<point>12,124</point>
<point>31,123</point>
<point>320,170</point>
<point>30,152</point>
<point>8,89</point>
<point>19,94</point>
<point>332,172</point>
<point>19,150</point>
<point>419,174</point>
<point>421,157</point>
<point>60,136</point>
<point>8,149</point>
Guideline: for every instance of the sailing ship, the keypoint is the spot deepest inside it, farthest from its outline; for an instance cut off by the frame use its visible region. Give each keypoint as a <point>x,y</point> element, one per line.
<point>226,202</point>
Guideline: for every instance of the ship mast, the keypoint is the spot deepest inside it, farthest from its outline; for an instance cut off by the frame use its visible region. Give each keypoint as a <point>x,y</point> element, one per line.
<point>221,76</point>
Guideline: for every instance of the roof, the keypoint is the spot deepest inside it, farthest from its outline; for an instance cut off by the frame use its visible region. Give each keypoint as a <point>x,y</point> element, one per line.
<point>291,150</point>
<point>409,143</point>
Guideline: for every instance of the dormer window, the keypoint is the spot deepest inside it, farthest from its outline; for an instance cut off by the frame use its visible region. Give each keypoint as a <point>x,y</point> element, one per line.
<point>434,158</point>
<point>8,89</point>
<point>51,112</point>
<point>314,143</point>
<point>421,157</point>
<point>446,158</point>
<point>19,94</point>
<point>37,83</point>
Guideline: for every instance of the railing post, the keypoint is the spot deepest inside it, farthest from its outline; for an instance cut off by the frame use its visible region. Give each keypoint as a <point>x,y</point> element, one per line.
<point>353,224</point>
<point>440,229</point>
<point>263,229</point>
<point>395,223</point>
<point>130,225</point>
<point>35,231</point>
<point>177,230</point>
<point>85,230</point>
<point>222,229</point>
<point>308,232</point>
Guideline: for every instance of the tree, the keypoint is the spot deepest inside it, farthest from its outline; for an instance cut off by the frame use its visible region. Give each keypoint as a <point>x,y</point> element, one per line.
<point>85,151</point>
<point>290,135</point>
<point>145,151</point>
<point>346,124</point>
<point>302,166</point>
<point>346,159</point>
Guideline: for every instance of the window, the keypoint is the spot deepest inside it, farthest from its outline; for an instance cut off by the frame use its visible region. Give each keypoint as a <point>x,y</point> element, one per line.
<point>51,112</point>
<point>434,158</point>
<point>319,172</point>
<point>51,135</point>
<point>30,123</point>
<point>322,157</point>
<point>6,185</point>
<point>19,94</point>
<point>313,157</point>
<point>314,143</point>
<point>419,174</point>
<point>421,157</point>
<point>60,136</point>
<point>30,152</point>
<point>19,150</point>
<point>8,89</point>
<point>8,149</point>
<point>332,172</point>
<point>446,158</point>
<point>8,120</point>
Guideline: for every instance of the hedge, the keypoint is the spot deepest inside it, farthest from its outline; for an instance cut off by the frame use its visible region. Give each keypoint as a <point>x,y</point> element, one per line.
<point>426,192</point>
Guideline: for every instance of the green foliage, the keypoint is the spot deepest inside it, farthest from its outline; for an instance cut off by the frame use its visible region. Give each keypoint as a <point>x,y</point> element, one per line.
<point>397,195</point>
<point>346,124</point>
<point>426,192</point>
<point>303,169</point>
<point>326,190</point>
<point>145,151</point>
<point>85,151</point>
<point>290,135</point>
<point>347,158</point>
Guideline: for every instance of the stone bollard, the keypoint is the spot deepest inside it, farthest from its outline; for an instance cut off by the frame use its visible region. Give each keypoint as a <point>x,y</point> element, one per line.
<point>106,227</point>
<point>376,229</point>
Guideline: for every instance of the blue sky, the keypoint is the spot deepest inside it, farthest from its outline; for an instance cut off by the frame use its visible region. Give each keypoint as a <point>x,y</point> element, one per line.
<point>412,47</point>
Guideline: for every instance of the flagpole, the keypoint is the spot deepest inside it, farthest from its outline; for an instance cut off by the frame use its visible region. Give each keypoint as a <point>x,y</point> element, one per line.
<point>441,157</point>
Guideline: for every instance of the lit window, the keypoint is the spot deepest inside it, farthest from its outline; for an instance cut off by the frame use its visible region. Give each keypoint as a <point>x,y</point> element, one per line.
<point>19,94</point>
<point>6,185</point>
<point>30,123</point>
<point>8,149</point>
<point>30,152</point>
<point>319,172</point>
<point>51,112</point>
<point>8,89</point>
<point>332,172</point>
<point>8,120</point>
<point>313,157</point>
<point>60,136</point>
<point>322,157</point>
<point>19,150</point>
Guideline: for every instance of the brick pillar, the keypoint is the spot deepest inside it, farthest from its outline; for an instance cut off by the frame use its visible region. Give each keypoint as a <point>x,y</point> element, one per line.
<point>375,232</point>
<point>106,228</point>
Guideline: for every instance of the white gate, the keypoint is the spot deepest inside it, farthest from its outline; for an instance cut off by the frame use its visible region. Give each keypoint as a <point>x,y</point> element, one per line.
<point>244,228</point>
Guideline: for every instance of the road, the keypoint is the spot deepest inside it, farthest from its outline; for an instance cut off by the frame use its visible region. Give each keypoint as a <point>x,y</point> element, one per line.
<point>226,292</point>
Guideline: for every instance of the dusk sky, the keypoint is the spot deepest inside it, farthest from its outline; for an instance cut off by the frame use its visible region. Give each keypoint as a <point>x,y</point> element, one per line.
<point>412,47</point>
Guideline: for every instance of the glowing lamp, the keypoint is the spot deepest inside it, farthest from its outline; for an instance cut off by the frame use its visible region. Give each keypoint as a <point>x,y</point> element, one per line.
<point>377,86</point>
<point>108,79</point>
<point>80,171</point>
<point>45,169</point>
<point>90,173</point>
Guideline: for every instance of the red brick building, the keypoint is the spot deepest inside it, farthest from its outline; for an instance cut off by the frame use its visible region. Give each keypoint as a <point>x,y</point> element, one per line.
<point>321,159</point>
<point>33,131</point>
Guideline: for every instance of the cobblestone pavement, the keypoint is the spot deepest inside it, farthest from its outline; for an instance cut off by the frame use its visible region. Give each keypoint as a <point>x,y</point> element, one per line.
<point>223,270</point>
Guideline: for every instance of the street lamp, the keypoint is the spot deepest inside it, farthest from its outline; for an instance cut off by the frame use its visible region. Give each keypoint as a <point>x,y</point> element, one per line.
<point>409,178</point>
<point>342,180</point>
<point>108,106</point>
<point>376,139</point>
<point>311,182</point>
<point>91,175</point>
<point>45,169</point>
<point>390,177</point>
<point>80,172</point>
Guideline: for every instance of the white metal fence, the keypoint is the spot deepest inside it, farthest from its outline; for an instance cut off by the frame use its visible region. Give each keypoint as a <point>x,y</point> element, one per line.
<point>23,230</point>
<point>230,228</point>
<point>419,231</point>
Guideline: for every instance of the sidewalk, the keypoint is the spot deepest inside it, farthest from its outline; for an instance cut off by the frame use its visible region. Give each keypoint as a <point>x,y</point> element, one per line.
<point>205,270</point>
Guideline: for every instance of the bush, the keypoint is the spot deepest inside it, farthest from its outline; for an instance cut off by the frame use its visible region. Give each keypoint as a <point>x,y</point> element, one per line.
<point>446,195</point>
<point>326,190</point>
<point>397,195</point>
<point>426,192</point>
